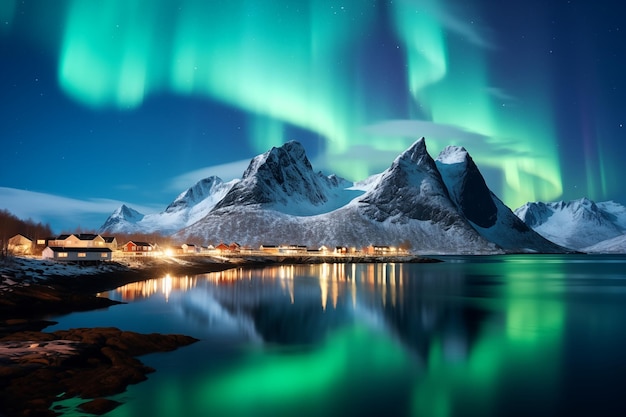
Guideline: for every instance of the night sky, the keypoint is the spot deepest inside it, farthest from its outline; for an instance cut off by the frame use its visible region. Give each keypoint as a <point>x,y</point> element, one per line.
<point>133,101</point>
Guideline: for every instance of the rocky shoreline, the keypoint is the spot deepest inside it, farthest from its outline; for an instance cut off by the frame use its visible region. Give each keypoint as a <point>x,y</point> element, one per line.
<point>38,368</point>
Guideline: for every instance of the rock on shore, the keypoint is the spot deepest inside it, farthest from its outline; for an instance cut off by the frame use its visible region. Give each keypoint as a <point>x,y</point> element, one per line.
<point>38,368</point>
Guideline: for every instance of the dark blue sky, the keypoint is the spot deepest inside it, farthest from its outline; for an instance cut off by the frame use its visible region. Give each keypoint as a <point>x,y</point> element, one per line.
<point>131,102</point>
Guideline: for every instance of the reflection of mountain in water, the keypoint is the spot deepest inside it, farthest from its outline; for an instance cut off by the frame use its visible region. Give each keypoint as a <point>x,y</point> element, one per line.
<point>301,305</point>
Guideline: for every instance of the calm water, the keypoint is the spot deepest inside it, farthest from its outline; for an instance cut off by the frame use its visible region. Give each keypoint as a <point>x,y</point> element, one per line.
<point>473,336</point>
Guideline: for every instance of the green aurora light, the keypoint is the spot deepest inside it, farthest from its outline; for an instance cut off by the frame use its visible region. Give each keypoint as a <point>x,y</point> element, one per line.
<point>289,63</point>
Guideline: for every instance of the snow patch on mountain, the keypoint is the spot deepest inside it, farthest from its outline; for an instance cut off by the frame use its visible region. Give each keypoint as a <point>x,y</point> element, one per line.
<point>577,224</point>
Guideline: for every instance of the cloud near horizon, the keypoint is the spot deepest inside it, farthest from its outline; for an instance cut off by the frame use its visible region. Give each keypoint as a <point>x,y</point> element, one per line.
<point>61,212</point>
<point>226,172</point>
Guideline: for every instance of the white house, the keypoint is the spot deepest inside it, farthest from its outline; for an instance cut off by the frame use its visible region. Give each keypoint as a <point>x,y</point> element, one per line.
<point>60,254</point>
<point>81,240</point>
<point>20,245</point>
<point>188,248</point>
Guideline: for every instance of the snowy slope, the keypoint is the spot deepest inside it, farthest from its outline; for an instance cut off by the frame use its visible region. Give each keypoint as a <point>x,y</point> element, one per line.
<point>189,207</point>
<point>614,245</point>
<point>577,224</point>
<point>489,216</point>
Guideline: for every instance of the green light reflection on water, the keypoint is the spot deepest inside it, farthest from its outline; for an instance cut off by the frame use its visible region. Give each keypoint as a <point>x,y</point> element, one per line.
<point>358,367</point>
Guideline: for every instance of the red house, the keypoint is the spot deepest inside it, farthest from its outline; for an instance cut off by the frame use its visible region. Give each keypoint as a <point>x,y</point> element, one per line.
<point>137,248</point>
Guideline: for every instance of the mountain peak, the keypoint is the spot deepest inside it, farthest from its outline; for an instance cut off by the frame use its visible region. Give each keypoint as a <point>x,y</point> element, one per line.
<point>127,213</point>
<point>453,155</point>
<point>416,153</point>
<point>486,213</point>
<point>412,186</point>
<point>467,186</point>
<point>198,192</point>
<point>282,178</point>
<point>123,217</point>
<point>288,153</point>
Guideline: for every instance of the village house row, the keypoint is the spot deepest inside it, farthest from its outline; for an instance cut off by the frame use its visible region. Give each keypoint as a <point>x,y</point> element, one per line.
<point>87,247</point>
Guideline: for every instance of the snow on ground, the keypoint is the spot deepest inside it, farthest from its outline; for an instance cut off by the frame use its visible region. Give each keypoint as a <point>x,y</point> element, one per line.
<point>19,270</point>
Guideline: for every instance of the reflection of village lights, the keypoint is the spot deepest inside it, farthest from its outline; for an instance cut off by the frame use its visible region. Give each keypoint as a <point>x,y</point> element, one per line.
<point>338,283</point>
<point>392,281</point>
<point>353,287</point>
<point>145,289</point>
<point>324,290</point>
<point>325,270</point>
<point>167,286</point>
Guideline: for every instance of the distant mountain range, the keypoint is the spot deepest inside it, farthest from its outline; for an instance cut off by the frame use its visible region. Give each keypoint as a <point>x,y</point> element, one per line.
<point>581,224</point>
<point>440,206</point>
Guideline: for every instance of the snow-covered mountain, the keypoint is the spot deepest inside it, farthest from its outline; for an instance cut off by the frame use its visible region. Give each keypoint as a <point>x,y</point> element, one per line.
<point>579,224</point>
<point>281,200</point>
<point>397,210</point>
<point>417,203</point>
<point>189,207</point>
<point>489,216</point>
<point>282,179</point>
<point>123,219</point>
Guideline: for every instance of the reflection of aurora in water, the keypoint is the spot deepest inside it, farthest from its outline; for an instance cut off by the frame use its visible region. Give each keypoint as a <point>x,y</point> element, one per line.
<point>384,328</point>
<point>473,336</point>
<point>322,67</point>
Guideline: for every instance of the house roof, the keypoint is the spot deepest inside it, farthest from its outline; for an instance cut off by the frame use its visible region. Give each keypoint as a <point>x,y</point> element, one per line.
<point>108,239</point>
<point>138,243</point>
<point>79,236</point>
<point>24,236</point>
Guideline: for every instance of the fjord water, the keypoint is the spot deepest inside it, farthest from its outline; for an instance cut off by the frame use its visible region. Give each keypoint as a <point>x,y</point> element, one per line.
<point>522,335</point>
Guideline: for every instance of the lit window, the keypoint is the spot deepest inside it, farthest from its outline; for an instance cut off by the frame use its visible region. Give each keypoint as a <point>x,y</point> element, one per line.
<point>82,255</point>
<point>62,255</point>
<point>103,255</point>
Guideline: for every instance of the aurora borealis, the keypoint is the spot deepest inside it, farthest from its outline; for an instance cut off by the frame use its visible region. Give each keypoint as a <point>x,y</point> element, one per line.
<point>137,94</point>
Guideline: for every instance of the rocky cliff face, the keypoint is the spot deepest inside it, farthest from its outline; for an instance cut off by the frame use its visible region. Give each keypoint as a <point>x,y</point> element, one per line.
<point>492,219</point>
<point>412,188</point>
<point>281,179</point>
